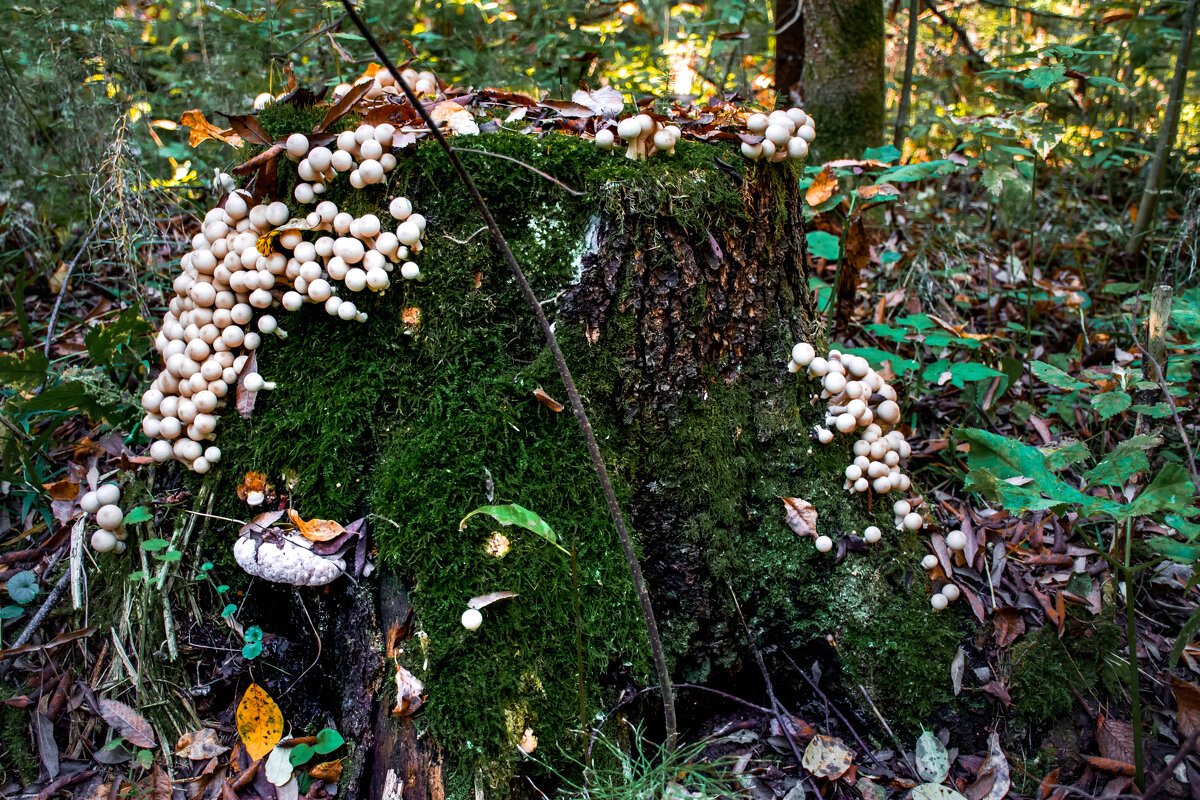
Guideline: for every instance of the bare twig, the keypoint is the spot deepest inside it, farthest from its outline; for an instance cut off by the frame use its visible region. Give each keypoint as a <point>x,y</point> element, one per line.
<point>585,426</point>
<point>532,169</point>
<point>837,711</point>
<point>62,291</point>
<point>316,635</point>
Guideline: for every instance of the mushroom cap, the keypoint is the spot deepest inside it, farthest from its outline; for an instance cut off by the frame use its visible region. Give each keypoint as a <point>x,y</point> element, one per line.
<point>756,123</point>
<point>872,534</point>
<point>605,139</point>
<point>108,494</point>
<point>286,561</point>
<point>929,562</point>
<point>938,601</point>
<point>90,503</point>
<point>951,591</point>
<point>110,517</point>
<point>472,619</point>
<point>824,543</point>
<point>297,145</point>
<point>956,540</point>
<point>104,541</point>
<point>629,128</point>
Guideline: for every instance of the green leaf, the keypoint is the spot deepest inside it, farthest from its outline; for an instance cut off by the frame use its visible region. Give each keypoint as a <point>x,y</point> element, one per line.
<point>253,634</point>
<point>933,762</point>
<point>970,371</point>
<point>155,544</point>
<point>11,612</point>
<point>1109,404</point>
<point>1043,78</point>
<point>229,610</point>
<point>300,754</point>
<point>917,172</point>
<point>1019,477</point>
<point>23,587</point>
<point>252,650</point>
<point>26,372</point>
<point>1182,552</point>
<point>1186,529</point>
<point>886,153</point>
<point>1126,459</point>
<point>1156,411</point>
<point>823,245</point>
<point>1185,635</point>
<point>103,341</point>
<point>1055,376</point>
<point>169,555</point>
<point>1064,453</point>
<point>1171,490</point>
<point>138,514</point>
<point>514,514</point>
<point>328,740</point>
<point>69,396</point>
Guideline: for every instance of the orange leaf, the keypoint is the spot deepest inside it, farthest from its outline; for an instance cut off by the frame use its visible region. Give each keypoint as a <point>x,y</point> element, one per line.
<point>328,771</point>
<point>1110,765</point>
<point>203,129</point>
<point>62,490</point>
<point>316,530</point>
<point>546,400</point>
<point>259,722</point>
<point>822,187</point>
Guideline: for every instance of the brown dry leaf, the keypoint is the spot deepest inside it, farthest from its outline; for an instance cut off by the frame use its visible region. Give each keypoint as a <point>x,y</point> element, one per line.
<point>408,692</point>
<point>546,400</point>
<point>827,757</point>
<point>259,722</point>
<point>160,784</point>
<point>1115,739</point>
<point>1110,765</point>
<point>1187,704</point>
<point>1009,625</point>
<point>253,482</point>
<point>62,490</point>
<point>343,106</point>
<point>199,745</point>
<point>202,129</point>
<point>328,771</point>
<point>801,516</point>
<point>822,187</point>
<point>316,530</point>
<point>131,725</point>
<point>867,192</point>
<point>993,782</point>
<point>997,690</point>
<point>59,276</point>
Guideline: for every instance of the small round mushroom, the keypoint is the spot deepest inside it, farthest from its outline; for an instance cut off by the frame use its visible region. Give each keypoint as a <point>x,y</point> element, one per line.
<point>951,591</point>
<point>956,540</point>
<point>824,543</point>
<point>605,139</point>
<point>110,517</point>
<point>872,534</point>
<point>472,619</point>
<point>104,541</point>
<point>938,601</point>
<point>929,562</point>
<point>297,146</point>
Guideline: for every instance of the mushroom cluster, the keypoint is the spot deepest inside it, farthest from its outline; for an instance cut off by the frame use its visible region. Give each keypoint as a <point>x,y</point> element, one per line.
<point>422,83</point>
<point>103,502</point>
<point>643,135</point>
<point>226,288</point>
<point>859,398</point>
<point>785,134</point>
<point>364,152</point>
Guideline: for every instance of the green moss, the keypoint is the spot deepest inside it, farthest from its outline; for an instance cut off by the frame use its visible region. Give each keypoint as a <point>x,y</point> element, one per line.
<point>1044,668</point>
<point>418,425</point>
<point>15,746</point>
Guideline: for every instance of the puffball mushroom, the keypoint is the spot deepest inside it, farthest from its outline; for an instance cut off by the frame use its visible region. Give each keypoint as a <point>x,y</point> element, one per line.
<point>90,503</point>
<point>938,601</point>
<point>109,517</point>
<point>872,534</point>
<point>472,619</point>
<point>913,521</point>
<point>956,540</point>
<point>297,146</point>
<point>824,544</point>
<point>929,562</point>
<point>605,139</point>
<point>255,383</point>
<point>104,541</point>
<point>951,592</point>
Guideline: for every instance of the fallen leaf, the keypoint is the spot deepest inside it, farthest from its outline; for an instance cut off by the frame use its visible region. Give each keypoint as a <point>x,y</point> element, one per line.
<point>316,530</point>
<point>62,490</point>
<point>328,771</point>
<point>1115,739</point>
<point>278,768</point>
<point>131,725</point>
<point>160,784</point>
<point>546,400</point>
<point>1009,625</point>
<point>1111,765</point>
<point>259,722</point>
<point>200,745</point>
<point>1187,705</point>
<point>408,692</point>
<point>869,789</point>
<point>997,690</point>
<point>993,782</point>
<point>801,516</point>
<point>485,600</point>
<point>202,129</point>
<point>605,101</point>
<point>957,666</point>
<point>827,757</point>
<point>933,763</point>
<point>935,791</point>
<point>822,187</point>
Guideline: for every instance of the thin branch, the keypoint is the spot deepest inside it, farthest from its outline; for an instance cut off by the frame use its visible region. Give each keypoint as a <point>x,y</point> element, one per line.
<point>62,291</point>
<point>585,426</point>
<point>532,169</point>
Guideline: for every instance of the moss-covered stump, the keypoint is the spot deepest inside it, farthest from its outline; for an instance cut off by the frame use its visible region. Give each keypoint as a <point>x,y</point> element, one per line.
<point>677,287</point>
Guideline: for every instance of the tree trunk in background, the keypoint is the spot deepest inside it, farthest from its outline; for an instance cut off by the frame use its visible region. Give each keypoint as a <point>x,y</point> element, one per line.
<point>789,52</point>
<point>910,57</point>
<point>842,79</point>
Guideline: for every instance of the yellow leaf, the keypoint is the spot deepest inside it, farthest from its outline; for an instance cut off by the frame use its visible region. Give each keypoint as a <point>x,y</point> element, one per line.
<point>822,187</point>
<point>259,722</point>
<point>316,530</point>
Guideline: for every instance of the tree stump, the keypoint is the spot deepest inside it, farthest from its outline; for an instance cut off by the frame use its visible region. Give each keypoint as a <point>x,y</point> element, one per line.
<point>677,287</point>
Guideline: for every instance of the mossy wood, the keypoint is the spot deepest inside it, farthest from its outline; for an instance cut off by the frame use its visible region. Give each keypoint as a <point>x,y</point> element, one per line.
<point>677,287</point>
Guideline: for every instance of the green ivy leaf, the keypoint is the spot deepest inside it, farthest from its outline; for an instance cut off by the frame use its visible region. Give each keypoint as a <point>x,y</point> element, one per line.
<point>300,754</point>
<point>150,545</point>
<point>514,514</point>
<point>229,610</point>
<point>23,587</point>
<point>253,634</point>
<point>971,371</point>
<point>1109,404</point>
